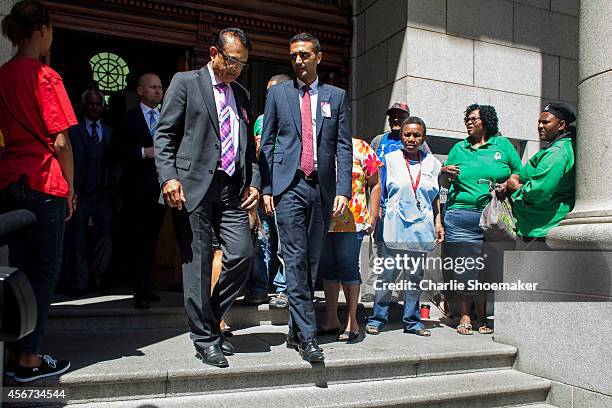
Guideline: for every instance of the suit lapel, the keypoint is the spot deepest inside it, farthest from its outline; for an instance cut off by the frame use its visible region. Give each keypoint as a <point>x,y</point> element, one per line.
<point>324,96</point>
<point>209,97</point>
<point>84,135</point>
<point>242,115</point>
<point>293,99</point>
<point>143,122</point>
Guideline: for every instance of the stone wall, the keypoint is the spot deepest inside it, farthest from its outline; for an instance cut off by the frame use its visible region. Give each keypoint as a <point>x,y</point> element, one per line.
<point>562,331</point>
<point>442,55</point>
<point>6,49</point>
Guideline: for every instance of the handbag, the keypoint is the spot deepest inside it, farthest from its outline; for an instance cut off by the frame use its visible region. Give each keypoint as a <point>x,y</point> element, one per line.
<point>496,220</point>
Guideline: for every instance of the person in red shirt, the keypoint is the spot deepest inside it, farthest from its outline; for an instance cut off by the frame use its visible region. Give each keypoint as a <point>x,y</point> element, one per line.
<point>36,170</point>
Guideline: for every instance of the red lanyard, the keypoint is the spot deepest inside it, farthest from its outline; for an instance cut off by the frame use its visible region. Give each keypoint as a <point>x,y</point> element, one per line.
<point>415,185</point>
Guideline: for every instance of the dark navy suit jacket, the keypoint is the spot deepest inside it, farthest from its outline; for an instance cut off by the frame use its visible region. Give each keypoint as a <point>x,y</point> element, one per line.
<point>79,138</point>
<point>281,143</point>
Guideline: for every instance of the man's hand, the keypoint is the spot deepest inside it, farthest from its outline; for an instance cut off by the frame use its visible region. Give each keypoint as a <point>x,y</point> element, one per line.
<point>173,193</point>
<point>268,202</point>
<point>340,203</point>
<point>451,171</point>
<point>149,153</point>
<point>71,203</point>
<point>249,199</point>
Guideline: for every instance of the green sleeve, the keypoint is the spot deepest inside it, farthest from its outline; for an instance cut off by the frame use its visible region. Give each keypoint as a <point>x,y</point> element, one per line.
<point>452,156</point>
<point>258,126</point>
<point>514,160</point>
<point>542,181</point>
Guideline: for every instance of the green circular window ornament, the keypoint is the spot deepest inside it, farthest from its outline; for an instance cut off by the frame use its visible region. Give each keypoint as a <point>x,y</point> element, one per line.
<point>109,71</point>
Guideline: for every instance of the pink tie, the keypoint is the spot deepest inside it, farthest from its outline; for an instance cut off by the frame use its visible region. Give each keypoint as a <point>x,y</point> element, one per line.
<point>307,160</point>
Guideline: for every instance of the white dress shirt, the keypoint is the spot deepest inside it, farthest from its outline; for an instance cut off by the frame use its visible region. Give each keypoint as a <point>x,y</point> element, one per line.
<point>230,101</point>
<point>314,99</point>
<point>147,116</point>
<point>88,123</point>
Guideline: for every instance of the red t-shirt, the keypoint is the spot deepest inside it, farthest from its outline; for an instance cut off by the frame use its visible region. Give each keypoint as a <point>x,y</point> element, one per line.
<point>35,94</point>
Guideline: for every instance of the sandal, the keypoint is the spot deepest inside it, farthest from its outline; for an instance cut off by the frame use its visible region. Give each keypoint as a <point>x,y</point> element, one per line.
<point>372,330</point>
<point>485,329</point>
<point>347,336</point>
<point>422,332</point>
<point>466,326</point>
<point>442,305</point>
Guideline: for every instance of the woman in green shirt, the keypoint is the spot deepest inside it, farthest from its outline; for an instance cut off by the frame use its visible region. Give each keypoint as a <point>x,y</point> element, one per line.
<point>484,154</point>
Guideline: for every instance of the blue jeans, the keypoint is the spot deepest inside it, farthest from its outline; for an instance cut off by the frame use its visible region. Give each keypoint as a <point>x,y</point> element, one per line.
<point>340,258</point>
<point>266,245</point>
<point>411,314</point>
<point>38,253</point>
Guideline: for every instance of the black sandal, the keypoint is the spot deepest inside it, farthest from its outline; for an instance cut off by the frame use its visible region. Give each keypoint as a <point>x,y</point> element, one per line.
<point>347,336</point>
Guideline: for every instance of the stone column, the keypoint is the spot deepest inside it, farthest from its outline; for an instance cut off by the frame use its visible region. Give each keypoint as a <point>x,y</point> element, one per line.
<point>589,225</point>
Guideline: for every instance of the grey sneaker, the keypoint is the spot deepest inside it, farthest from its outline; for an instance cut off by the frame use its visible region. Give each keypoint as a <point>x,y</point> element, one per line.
<point>279,301</point>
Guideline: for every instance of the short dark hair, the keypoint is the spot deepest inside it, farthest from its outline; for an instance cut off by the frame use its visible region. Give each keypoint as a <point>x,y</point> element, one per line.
<point>415,120</point>
<point>221,38</point>
<point>307,37</point>
<point>488,116</point>
<point>280,78</point>
<point>25,17</point>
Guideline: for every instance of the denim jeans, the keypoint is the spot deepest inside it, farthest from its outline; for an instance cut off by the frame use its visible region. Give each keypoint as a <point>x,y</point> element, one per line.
<point>340,258</point>
<point>411,314</point>
<point>266,245</point>
<point>37,251</point>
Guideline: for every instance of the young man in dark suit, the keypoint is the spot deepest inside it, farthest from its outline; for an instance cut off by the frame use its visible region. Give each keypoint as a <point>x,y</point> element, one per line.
<point>144,215</point>
<point>306,161</point>
<point>205,157</point>
<point>90,146</point>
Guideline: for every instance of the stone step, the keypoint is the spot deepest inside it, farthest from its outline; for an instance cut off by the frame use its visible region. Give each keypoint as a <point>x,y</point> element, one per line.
<point>116,312</point>
<point>118,365</point>
<point>503,388</point>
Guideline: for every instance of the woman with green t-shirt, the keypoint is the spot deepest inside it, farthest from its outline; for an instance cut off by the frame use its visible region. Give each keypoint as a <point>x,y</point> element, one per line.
<point>484,154</point>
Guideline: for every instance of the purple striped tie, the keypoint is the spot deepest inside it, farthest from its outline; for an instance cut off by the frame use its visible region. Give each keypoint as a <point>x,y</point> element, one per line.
<point>228,154</point>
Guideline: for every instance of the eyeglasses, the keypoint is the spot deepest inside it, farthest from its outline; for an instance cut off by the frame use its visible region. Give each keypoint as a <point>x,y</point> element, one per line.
<point>472,119</point>
<point>233,62</point>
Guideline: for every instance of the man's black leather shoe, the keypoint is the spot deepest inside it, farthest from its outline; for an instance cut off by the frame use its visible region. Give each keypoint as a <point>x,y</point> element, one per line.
<point>212,355</point>
<point>293,343</point>
<point>227,347</point>
<point>311,352</point>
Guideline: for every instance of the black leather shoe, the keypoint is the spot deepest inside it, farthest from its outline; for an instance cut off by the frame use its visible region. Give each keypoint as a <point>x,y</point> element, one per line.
<point>212,355</point>
<point>227,348</point>
<point>311,352</point>
<point>293,343</point>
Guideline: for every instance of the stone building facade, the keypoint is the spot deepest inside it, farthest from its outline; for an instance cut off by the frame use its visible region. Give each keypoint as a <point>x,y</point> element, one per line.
<point>442,55</point>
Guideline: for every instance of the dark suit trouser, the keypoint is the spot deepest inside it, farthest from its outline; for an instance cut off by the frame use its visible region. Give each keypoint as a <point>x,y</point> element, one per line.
<point>219,210</point>
<point>302,228</point>
<point>145,217</point>
<point>78,268</point>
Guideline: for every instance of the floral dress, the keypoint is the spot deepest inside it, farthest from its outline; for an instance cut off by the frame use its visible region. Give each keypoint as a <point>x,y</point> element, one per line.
<point>365,164</point>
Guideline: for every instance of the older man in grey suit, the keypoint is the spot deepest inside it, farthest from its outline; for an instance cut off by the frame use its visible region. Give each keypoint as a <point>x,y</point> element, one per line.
<point>205,157</point>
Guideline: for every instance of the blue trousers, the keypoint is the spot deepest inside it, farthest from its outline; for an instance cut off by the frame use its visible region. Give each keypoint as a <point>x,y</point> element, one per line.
<point>411,315</point>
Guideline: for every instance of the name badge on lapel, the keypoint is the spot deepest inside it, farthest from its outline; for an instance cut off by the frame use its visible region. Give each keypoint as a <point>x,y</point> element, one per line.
<point>326,109</point>
<point>245,117</point>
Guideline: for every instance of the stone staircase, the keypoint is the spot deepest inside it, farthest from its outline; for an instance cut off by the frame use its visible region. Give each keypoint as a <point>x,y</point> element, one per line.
<point>132,358</point>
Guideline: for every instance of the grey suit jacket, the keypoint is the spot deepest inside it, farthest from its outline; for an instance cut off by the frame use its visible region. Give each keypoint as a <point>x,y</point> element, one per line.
<point>187,140</point>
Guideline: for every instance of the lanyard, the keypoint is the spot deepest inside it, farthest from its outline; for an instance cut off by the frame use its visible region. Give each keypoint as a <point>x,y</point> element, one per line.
<point>415,185</point>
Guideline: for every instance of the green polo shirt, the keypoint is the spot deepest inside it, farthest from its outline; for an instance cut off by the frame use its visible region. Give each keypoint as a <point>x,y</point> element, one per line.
<point>548,191</point>
<point>496,160</point>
